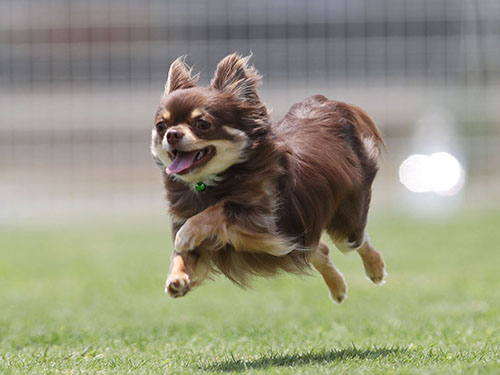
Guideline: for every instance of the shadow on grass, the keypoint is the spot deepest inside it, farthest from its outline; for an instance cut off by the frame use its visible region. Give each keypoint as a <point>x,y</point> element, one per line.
<point>301,359</point>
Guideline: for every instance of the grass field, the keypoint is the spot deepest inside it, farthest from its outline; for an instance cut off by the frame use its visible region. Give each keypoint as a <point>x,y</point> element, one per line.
<point>89,299</point>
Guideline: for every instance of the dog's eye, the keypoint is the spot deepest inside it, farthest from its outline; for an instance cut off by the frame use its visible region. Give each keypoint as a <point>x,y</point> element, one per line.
<point>161,127</point>
<point>202,124</point>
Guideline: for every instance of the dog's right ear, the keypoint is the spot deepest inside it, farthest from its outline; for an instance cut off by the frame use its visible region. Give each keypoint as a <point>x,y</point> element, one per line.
<point>180,76</point>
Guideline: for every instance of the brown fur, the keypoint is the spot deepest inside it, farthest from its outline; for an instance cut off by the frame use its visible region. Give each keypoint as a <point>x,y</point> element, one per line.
<point>306,174</point>
<point>334,280</point>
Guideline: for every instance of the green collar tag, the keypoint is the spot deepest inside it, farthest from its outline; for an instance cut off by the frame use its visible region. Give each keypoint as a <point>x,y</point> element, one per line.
<point>200,186</point>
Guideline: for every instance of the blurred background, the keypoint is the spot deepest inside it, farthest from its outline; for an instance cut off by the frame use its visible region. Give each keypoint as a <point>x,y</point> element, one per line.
<point>80,81</point>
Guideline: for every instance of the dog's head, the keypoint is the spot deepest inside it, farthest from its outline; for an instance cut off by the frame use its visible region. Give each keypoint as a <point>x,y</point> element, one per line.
<point>200,132</point>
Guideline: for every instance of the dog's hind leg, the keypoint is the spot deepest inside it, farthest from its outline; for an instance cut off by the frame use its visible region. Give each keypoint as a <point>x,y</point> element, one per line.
<point>348,233</point>
<point>373,260</point>
<point>332,276</point>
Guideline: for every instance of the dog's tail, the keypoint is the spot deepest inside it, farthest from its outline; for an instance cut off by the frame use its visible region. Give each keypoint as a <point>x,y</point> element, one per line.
<point>367,130</point>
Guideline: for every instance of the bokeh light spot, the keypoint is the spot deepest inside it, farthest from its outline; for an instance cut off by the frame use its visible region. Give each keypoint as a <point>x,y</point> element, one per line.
<point>440,173</point>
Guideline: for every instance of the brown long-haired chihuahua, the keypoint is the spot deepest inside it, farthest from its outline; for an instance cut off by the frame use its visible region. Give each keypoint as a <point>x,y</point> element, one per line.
<point>250,197</point>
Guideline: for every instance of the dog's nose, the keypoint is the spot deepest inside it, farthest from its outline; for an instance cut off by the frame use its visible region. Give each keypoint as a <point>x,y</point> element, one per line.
<point>174,136</point>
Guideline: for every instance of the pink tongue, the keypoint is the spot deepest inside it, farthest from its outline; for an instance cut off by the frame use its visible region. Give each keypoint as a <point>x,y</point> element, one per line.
<point>182,161</point>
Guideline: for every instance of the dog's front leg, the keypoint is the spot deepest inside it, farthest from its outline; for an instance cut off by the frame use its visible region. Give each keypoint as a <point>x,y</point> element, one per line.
<point>210,223</point>
<point>182,268</point>
<point>252,232</point>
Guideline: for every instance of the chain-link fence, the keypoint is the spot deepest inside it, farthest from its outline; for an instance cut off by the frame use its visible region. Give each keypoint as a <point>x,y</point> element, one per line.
<point>80,79</point>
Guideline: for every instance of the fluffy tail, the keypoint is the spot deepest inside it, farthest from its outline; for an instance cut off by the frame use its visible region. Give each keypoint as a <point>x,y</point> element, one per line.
<point>369,134</point>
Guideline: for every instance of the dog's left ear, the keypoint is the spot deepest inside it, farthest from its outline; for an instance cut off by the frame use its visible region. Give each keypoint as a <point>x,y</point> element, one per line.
<point>180,76</point>
<point>233,74</point>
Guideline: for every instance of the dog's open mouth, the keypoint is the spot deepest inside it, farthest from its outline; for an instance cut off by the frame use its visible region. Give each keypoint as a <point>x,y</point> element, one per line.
<point>184,161</point>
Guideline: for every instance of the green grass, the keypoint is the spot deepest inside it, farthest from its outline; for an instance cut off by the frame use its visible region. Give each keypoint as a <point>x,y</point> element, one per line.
<point>89,299</point>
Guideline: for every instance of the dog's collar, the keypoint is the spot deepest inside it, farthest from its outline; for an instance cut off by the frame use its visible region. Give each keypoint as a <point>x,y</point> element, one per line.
<point>200,186</point>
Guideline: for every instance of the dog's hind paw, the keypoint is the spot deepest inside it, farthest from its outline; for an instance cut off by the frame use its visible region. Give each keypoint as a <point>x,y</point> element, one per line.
<point>339,297</point>
<point>373,263</point>
<point>177,285</point>
<point>377,278</point>
<point>338,290</point>
<point>375,272</point>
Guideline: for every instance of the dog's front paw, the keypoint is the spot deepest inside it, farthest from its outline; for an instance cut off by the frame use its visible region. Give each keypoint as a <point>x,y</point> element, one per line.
<point>177,285</point>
